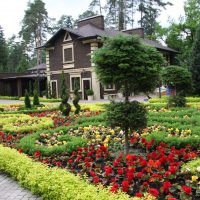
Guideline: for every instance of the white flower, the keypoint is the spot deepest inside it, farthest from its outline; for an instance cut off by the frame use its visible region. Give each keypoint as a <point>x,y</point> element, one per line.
<point>198,169</point>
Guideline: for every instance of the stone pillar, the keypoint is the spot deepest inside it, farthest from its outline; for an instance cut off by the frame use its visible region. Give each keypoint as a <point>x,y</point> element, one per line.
<point>48,67</point>
<point>95,81</point>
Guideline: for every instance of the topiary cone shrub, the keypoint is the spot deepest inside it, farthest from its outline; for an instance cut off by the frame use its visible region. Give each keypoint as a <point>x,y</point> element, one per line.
<point>76,99</point>
<point>27,101</point>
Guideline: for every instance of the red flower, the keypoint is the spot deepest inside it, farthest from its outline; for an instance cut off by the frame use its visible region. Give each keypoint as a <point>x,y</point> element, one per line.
<point>120,171</point>
<point>96,179</point>
<point>138,194</point>
<point>187,189</point>
<point>20,150</point>
<point>37,154</point>
<point>154,192</point>
<point>172,198</point>
<point>113,189</point>
<point>125,184</point>
<point>108,170</point>
<point>166,186</point>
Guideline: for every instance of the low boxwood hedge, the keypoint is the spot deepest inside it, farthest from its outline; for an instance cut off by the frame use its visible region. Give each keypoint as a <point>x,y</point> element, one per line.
<point>53,183</point>
<point>27,124</point>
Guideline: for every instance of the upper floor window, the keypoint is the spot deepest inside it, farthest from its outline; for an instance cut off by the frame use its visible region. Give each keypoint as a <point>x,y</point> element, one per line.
<point>109,87</point>
<point>68,53</point>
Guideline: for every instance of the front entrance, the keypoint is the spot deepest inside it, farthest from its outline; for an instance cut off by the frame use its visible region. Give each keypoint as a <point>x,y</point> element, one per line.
<point>86,84</point>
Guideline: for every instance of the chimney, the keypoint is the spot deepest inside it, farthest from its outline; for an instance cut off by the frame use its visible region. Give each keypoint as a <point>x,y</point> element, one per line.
<point>135,31</point>
<point>97,21</point>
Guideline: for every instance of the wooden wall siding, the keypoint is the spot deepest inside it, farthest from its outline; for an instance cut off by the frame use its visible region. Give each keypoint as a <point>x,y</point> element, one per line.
<point>81,54</point>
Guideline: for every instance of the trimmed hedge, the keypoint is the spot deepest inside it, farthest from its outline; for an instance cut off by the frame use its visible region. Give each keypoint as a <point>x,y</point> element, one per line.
<point>27,143</point>
<point>23,124</point>
<point>9,98</point>
<point>192,167</point>
<point>41,99</point>
<point>53,184</point>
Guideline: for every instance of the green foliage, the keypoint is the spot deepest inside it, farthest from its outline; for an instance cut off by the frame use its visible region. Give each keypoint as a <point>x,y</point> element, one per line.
<point>52,183</point>
<point>9,97</point>
<point>64,107</point>
<point>3,51</point>
<point>27,124</point>
<point>90,92</point>
<point>23,65</point>
<point>28,143</point>
<point>178,78</point>
<point>127,63</point>
<point>76,98</point>
<point>27,101</point>
<point>176,101</point>
<point>195,65</point>
<point>130,114</point>
<point>191,167</point>
<point>36,101</point>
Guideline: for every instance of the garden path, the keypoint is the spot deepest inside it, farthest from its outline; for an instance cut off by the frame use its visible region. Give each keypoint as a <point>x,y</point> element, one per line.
<point>11,190</point>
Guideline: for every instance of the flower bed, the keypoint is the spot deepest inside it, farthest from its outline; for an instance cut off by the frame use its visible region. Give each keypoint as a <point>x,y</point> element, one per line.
<point>51,142</point>
<point>53,183</point>
<point>27,124</point>
<point>157,171</point>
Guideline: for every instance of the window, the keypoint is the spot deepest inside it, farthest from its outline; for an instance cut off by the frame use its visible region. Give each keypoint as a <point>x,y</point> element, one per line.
<point>67,37</point>
<point>68,54</point>
<point>109,87</point>
<point>75,81</point>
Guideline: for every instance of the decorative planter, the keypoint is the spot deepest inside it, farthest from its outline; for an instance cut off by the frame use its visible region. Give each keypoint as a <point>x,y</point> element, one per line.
<point>105,96</point>
<point>90,97</point>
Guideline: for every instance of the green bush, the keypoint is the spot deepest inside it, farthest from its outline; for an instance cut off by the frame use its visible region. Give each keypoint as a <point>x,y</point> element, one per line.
<point>52,184</point>
<point>27,101</point>
<point>27,124</point>
<point>90,92</point>
<point>28,144</point>
<point>176,101</point>
<point>9,97</point>
<point>192,167</point>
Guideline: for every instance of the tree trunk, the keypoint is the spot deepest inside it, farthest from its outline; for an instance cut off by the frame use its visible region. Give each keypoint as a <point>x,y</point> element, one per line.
<point>126,144</point>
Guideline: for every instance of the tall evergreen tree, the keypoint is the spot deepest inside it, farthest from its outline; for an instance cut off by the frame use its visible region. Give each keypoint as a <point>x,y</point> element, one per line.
<point>3,51</point>
<point>96,6</point>
<point>195,66</point>
<point>149,11</point>
<point>35,25</point>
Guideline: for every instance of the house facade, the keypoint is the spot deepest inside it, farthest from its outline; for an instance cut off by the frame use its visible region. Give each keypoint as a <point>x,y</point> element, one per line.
<point>70,51</point>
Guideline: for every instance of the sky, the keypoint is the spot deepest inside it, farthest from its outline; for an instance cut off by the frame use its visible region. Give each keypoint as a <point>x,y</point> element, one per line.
<point>12,12</point>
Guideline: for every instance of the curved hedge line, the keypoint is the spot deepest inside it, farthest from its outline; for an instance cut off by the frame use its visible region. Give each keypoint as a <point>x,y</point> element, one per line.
<point>23,124</point>
<point>52,183</point>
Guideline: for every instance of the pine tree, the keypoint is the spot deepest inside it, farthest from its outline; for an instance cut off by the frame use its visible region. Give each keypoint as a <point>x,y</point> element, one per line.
<point>35,25</point>
<point>27,101</point>
<point>3,51</point>
<point>195,66</point>
<point>36,101</point>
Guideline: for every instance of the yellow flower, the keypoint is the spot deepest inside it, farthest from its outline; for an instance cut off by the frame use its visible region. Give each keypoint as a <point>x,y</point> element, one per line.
<point>194,178</point>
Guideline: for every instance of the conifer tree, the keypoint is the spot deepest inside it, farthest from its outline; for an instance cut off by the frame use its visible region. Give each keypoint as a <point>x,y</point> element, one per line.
<point>27,101</point>
<point>36,101</point>
<point>76,98</point>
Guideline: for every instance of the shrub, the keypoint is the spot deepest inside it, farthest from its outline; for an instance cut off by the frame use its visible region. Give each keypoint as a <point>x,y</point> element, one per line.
<point>35,94</point>
<point>76,99</point>
<point>176,101</point>
<point>53,184</point>
<point>27,101</point>
<point>192,167</point>
<point>129,116</point>
<point>90,92</point>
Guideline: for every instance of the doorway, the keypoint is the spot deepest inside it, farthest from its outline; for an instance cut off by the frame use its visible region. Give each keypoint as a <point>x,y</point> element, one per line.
<point>86,84</point>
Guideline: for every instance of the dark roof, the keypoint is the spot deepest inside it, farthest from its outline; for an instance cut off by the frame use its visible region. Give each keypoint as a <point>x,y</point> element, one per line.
<point>38,67</point>
<point>26,76</point>
<point>91,31</point>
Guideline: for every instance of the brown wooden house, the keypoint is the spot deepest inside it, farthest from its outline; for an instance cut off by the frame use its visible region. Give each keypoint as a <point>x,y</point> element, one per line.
<point>70,51</point>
